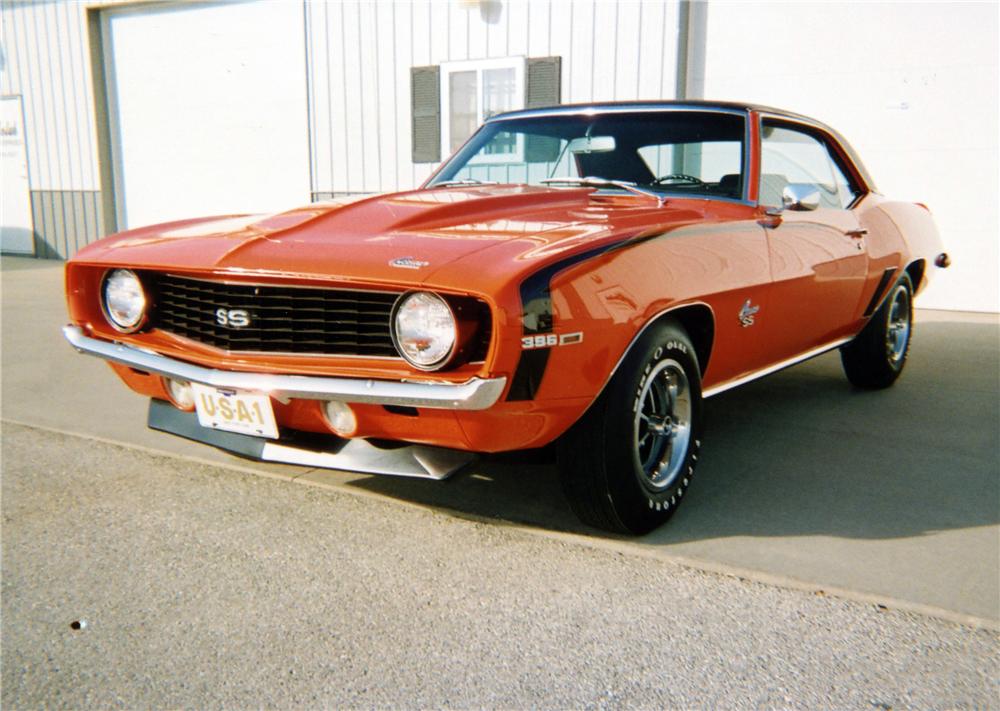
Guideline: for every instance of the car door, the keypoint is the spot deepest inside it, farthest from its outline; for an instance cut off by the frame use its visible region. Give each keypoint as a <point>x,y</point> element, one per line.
<point>819,260</point>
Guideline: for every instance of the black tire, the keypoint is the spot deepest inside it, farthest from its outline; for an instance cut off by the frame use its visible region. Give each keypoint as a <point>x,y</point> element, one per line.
<point>628,461</point>
<point>877,355</point>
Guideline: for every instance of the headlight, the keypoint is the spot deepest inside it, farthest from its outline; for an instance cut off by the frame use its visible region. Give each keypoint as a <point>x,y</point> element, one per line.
<point>124,300</point>
<point>424,329</point>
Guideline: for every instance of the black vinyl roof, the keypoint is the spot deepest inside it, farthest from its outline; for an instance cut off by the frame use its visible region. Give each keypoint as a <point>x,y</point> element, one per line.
<point>597,107</point>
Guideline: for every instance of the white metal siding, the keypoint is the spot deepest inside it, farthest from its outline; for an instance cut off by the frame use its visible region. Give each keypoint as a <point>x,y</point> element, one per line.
<point>361,53</point>
<point>47,62</point>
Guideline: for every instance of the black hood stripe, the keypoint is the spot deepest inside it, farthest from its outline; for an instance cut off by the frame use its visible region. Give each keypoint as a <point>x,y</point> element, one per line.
<point>536,315</point>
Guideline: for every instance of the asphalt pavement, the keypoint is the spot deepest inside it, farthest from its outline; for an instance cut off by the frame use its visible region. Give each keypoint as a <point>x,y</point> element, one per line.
<point>134,580</point>
<point>809,494</point>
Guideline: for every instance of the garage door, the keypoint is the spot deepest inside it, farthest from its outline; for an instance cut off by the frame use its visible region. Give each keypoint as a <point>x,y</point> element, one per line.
<point>207,109</point>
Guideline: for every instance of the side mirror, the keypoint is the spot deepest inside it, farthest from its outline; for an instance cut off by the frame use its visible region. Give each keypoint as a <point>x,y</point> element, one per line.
<point>800,197</point>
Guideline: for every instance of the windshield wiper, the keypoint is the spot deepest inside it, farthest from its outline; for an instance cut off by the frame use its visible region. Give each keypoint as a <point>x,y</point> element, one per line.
<point>592,182</point>
<point>463,181</point>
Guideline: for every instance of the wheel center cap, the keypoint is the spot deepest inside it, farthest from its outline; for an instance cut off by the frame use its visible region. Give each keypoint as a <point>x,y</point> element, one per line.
<point>661,426</point>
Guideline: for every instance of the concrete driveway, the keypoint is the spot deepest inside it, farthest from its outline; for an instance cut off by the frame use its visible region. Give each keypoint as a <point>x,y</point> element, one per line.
<point>804,482</point>
<point>136,580</point>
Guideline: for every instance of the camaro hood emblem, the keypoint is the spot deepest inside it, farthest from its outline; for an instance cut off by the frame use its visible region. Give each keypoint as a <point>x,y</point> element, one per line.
<point>408,263</point>
<point>747,313</point>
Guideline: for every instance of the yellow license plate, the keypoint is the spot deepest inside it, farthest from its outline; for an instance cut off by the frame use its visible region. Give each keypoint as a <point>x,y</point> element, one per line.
<point>235,411</point>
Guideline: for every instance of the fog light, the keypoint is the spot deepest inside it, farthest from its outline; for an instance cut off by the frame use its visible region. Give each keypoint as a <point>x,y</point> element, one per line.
<point>340,417</point>
<point>181,393</point>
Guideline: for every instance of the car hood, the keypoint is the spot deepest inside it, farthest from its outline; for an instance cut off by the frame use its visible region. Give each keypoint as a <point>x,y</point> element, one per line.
<point>399,238</point>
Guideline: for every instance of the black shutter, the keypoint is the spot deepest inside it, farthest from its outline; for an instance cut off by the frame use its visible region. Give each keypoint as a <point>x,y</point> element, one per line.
<point>542,87</point>
<point>543,82</point>
<point>425,99</point>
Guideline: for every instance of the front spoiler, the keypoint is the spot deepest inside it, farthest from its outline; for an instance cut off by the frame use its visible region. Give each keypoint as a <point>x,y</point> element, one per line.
<point>473,394</point>
<point>326,452</point>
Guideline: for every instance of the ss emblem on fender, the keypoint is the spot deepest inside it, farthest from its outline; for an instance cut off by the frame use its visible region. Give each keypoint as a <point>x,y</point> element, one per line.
<point>747,313</point>
<point>234,318</point>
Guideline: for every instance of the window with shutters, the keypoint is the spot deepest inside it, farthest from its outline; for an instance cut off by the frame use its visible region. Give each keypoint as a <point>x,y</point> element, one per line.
<point>472,92</point>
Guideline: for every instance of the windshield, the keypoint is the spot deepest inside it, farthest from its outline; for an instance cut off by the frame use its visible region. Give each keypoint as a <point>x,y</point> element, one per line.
<point>677,152</point>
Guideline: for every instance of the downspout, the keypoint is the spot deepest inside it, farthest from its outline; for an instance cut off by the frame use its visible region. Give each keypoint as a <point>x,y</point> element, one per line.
<point>692,36</point>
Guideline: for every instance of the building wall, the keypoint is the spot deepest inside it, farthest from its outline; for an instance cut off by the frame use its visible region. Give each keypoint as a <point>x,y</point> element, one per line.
<point>46,61</point>
<point>914,88</point>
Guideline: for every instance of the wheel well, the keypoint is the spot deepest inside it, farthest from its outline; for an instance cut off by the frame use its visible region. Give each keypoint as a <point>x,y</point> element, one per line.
<point>916,272</point>
<point>698,321</point>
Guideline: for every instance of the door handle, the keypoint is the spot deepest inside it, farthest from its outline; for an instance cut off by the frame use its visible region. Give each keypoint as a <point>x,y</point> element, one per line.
<point>857,234</point>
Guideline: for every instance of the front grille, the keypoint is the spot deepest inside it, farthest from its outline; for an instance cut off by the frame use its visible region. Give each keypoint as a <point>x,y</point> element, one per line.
<point>282,319</point>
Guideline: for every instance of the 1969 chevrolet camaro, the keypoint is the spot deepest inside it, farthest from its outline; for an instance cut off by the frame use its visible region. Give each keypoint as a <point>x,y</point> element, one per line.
<point>583,275</point>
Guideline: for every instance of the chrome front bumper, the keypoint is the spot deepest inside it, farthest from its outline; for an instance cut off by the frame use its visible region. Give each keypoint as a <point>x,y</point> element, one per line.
<point>473,394</point>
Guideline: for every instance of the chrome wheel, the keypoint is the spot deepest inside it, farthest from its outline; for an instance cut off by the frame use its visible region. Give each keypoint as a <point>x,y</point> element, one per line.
<point>627,463</point>
<point>876,357</point>
<point>662,426</point>
<point>897,334</point>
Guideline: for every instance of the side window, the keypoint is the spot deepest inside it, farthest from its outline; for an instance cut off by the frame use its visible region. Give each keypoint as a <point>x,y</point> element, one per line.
<point>846,189</point>
<point>789,155</point>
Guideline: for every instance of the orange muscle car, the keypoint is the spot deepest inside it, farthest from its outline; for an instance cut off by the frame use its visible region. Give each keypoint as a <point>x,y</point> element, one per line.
<point>583,275</point>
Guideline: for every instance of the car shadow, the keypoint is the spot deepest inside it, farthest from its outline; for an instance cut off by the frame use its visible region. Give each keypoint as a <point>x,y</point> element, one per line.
<point>802,453</point>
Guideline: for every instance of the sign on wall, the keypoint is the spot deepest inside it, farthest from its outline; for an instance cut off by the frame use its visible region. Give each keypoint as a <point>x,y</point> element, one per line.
<point>17,231</point>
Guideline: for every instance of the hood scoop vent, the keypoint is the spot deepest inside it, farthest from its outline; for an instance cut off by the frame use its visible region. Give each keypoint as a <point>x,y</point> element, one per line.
<point>448,207</point>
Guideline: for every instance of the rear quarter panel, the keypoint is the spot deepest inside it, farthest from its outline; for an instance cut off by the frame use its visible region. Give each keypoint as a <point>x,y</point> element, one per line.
<point>916,236</point>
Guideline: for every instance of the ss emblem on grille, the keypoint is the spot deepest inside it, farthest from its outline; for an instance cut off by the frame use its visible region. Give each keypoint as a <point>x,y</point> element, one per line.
<point>234,318</point>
